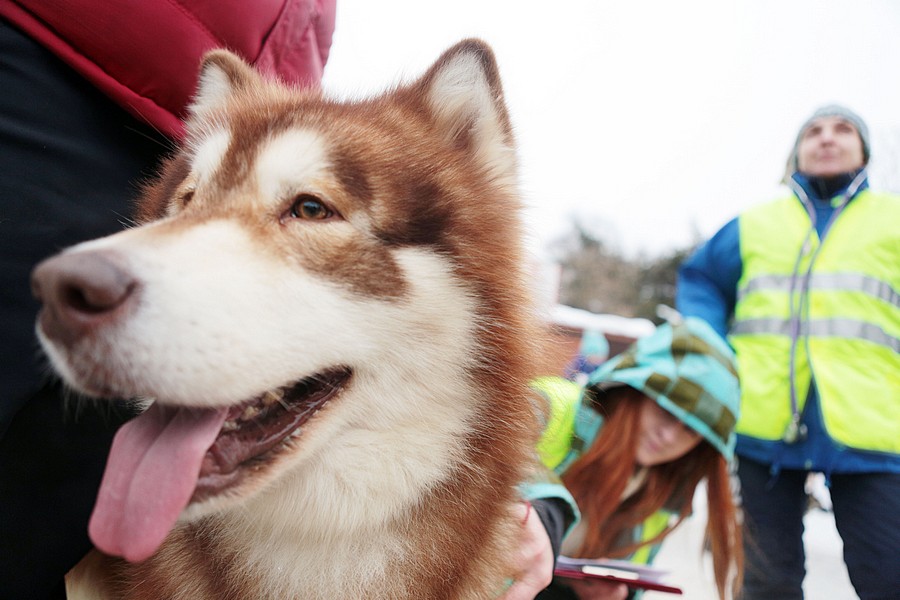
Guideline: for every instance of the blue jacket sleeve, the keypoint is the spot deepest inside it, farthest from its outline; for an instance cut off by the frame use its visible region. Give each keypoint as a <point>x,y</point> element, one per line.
<point>546,485</point>
<point>707,281</point>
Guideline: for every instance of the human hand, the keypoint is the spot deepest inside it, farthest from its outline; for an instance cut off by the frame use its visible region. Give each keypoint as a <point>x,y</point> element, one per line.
<point>533,558</point>
<point>597,589</point>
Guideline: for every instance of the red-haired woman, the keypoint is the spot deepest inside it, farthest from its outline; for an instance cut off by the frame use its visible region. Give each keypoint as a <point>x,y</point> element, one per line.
<point>651,424</point>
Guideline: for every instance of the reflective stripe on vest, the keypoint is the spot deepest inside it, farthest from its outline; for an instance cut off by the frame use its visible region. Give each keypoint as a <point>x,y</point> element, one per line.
<point>845,312</point>
<point>823,328</point>
<point>880,290</point>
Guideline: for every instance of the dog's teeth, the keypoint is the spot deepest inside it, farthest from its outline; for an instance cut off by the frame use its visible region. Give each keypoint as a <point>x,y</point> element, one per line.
<point>272,396</point>
<point>229,426</point>
<point>249,413</point>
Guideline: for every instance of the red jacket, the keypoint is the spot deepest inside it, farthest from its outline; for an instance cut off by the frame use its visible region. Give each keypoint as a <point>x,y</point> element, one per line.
<point>145,54</point>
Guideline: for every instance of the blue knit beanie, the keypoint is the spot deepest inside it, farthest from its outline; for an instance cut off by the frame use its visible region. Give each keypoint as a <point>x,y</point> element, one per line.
<point>835,110</point>
<point>690,371</point>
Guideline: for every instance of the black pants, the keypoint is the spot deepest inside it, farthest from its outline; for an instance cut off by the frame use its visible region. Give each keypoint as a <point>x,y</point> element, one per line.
<point>70,164</point>
<point>867,515</point>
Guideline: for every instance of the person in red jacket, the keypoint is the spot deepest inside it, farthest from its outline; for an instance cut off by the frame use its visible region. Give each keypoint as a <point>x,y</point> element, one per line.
<point>92,94</point>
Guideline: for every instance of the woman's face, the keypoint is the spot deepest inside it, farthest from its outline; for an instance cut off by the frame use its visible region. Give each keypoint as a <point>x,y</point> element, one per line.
<point>662,437</point>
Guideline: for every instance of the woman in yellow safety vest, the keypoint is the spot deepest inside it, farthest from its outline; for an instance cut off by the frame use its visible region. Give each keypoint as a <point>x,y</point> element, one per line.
<point>633,446</point>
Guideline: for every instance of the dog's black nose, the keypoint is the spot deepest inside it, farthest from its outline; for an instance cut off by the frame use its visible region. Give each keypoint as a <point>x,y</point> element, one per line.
<point>80,292</point>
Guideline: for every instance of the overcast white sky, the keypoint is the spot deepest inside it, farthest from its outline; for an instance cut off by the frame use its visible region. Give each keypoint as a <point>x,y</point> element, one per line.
<point>651,120</point>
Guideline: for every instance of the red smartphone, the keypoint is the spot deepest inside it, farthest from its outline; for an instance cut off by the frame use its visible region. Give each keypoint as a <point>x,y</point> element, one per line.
<point>627,577</point>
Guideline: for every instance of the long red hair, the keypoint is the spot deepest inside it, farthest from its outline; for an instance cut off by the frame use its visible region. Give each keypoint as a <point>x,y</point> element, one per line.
<point>598,478</point>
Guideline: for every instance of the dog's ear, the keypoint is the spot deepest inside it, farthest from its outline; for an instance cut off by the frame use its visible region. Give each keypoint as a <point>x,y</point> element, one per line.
<point>222,73</point>
<point>463,94</point>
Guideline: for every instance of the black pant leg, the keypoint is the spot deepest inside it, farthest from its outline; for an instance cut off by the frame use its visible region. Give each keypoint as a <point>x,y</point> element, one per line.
<point>51,462</point>
<point>867,515</point>
<point>773,532</point>
<point>70,163</point>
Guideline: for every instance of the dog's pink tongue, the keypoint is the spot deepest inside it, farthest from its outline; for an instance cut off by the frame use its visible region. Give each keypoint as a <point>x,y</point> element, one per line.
<point>150,476</point>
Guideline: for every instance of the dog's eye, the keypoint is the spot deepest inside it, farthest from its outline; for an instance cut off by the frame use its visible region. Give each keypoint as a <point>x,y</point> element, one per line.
<point>186,196</point>
<point>310,208</point>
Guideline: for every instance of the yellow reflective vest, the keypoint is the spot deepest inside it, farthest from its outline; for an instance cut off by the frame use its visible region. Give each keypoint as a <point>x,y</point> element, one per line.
<point>825,311</point>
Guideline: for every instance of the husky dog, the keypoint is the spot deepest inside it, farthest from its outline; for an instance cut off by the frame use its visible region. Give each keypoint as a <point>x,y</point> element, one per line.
<point>325,311</point>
